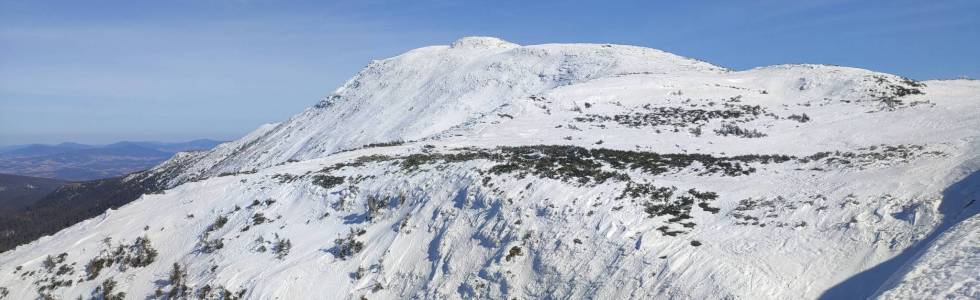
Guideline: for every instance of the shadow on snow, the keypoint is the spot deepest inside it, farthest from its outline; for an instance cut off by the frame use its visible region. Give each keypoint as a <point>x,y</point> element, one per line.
<point>959,203</point>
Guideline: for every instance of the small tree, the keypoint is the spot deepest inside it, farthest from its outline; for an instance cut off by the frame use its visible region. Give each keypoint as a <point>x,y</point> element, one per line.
<point>95,266</point>
<point>218,223</point>
<point>48,263</point>
<point>514,252</point>
<point>210,246</point>
<point>105,291</point>
<point>143,253</point>
<point>346,247</point>
<point>178,284</point>
<point>282,247</point>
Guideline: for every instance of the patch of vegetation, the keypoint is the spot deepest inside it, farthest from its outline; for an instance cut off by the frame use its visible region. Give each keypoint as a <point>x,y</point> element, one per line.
<point>177,281</point>
<point>414,161</point>
<point>50,263</point>
<point>514,252</point>
<point>679,208</point>
<point>360,161</point>
<point>665,230</point>
<point>285,178</point>
<point>732,129</point>
<point>880,155</point>
<point>383,144</point>
<point>218,223</point>
<point>211,246</point>
<point>281,248</point>
<point>260,243</point>
<point>348,246</point>
<point>803,118</point>
<point>54,268</point>
<point>741,214</point>
<point>706,207</point>
<point>570,164</point>
<point>666,201</point>
<point>357,275</point>
<point>254,204</point>
<point>219,292</point>
<point>678,117</point>
<point>577,164</point>
<point>327,181</point>
<point>259,218</point>
<point>888,95</point>
<point>140,254</point>
<point>648,191</point>
<point>245,172</point>
<point>763,212</point>
<point>106,291</point>
<point>703,196</point>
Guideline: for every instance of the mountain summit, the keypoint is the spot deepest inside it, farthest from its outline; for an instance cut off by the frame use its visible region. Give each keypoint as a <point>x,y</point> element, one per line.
<point>431,91</point>
<point>486,169</point>
<point>482,42</point>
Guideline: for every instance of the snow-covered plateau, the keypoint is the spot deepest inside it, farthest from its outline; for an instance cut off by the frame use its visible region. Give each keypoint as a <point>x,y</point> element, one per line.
<point>486,169</point>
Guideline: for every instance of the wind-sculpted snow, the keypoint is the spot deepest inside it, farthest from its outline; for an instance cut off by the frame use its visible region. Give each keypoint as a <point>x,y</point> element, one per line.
<point>486,169</point>
<point>947,269</point>
<point>944,264</point>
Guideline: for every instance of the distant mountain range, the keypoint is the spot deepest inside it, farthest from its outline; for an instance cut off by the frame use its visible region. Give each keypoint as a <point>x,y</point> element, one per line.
<point>74,161</point>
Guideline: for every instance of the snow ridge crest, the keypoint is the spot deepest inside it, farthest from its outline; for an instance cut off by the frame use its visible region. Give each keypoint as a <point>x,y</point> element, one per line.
<point>482,42</point>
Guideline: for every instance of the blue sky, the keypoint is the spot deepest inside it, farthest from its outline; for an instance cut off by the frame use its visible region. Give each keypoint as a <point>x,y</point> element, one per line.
<point>102,71</point>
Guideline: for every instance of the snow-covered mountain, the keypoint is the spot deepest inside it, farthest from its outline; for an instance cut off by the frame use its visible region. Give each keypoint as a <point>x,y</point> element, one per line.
<point>485,169</point>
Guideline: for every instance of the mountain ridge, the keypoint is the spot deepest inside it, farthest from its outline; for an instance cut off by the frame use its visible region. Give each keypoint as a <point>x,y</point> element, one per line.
<point>303,150</point>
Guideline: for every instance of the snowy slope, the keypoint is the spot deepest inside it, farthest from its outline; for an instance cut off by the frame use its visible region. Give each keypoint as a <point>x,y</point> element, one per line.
<point>949,267</point>
<point>485,169</point>
<point>429,90</point>
<point>945,264</point>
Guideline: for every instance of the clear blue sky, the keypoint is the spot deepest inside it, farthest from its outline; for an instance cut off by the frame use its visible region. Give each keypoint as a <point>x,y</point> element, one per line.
<point>101,71</point>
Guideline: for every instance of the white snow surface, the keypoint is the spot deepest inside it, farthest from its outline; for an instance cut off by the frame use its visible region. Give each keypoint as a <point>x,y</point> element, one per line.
<point>445,228</point>
<point>948,269</point>
<point>430,90</point>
